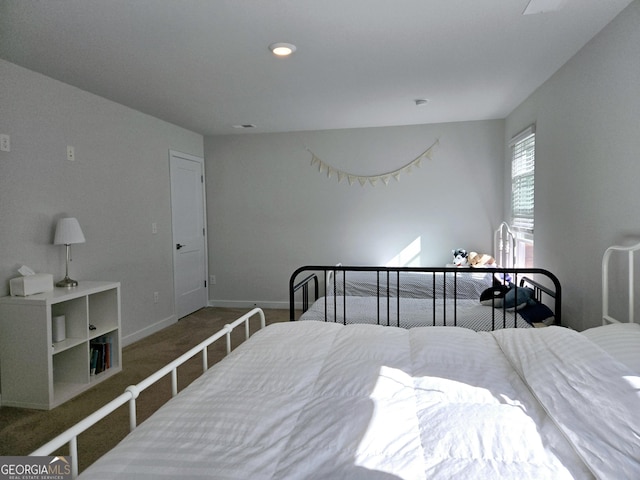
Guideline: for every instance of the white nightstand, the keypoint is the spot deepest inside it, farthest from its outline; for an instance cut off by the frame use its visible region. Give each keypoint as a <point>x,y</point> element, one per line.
<point>38,373</point>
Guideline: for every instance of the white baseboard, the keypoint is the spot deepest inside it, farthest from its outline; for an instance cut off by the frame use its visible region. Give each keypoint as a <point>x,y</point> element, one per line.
<point>145,332</point>
<point>248,304</point>
<point>156,327</point>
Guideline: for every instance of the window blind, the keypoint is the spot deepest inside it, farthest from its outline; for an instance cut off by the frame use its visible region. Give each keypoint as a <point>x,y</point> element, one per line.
<point>522,179</point>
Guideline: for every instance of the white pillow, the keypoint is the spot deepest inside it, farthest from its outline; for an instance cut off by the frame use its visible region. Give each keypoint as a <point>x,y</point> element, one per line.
<point>620,340</point>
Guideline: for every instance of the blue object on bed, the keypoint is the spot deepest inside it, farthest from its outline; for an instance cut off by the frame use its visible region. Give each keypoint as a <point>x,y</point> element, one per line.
<point>508,296</point>
<point>536,313</point>
<point>521,299</point>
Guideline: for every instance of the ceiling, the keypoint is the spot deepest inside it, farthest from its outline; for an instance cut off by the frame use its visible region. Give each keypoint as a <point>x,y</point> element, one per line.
<point>205,64</point>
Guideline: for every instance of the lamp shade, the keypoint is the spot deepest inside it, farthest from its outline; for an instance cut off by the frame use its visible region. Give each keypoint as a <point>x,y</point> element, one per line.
<point>68,231</point>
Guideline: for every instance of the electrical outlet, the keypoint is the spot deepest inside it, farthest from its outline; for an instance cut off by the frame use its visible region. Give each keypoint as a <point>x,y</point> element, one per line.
<point>71,154</point>
<point>154,228</point>
<point>5,143</point>
<point>212,279</point>
<point>156,297</point>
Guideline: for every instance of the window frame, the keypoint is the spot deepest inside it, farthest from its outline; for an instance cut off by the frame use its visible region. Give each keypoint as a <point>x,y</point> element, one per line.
<point>522,148</point>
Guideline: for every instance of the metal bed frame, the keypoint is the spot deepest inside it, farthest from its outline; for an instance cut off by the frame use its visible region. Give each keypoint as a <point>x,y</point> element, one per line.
<point>607,317</point>
<point>308,290</point>
<point>504,246</point>
<point>131,393</point>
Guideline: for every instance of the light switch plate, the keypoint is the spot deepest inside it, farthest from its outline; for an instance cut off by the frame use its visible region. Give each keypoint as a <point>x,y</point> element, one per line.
<point>5,143</point>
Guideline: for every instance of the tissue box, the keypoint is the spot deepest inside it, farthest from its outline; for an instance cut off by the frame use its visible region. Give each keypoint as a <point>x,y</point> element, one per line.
<point>31,284</point>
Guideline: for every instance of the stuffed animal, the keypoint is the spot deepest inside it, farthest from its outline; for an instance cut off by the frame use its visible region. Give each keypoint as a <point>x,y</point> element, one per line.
<point>459,257</point>
<point>508,296</point>
<point>480,260</point>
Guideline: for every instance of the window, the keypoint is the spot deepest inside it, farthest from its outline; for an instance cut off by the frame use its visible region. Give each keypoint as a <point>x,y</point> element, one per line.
<point>523,161</point>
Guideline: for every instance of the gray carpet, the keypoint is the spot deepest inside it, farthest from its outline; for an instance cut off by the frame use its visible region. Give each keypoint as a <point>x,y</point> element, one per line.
<point>24,430</point>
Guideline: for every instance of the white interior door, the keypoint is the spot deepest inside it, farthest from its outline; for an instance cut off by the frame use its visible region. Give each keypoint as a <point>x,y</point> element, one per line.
<point>189,233</point>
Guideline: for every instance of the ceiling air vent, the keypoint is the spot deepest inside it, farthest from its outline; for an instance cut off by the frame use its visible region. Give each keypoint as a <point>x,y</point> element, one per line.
<point>543,6</point>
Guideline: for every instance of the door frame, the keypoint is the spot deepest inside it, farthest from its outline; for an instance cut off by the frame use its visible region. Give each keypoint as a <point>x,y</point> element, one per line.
<point>200,160</point>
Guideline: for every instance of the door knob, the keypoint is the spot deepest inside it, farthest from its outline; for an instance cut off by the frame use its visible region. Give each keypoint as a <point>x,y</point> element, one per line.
<point>178,246</point>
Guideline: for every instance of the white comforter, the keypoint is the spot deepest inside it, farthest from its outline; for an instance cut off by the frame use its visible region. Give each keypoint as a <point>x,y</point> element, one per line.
<point>307,400</point>
<point>414,312</point>
<point>464,283</point>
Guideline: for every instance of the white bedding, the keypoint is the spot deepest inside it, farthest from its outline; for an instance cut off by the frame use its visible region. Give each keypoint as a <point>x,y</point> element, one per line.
<point>464,283</point>
<point>620,340</point>
<point>414,312</point>
<point>304,400</point>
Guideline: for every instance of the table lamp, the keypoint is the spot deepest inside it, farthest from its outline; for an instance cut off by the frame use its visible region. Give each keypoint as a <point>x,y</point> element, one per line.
<point>68,232</point>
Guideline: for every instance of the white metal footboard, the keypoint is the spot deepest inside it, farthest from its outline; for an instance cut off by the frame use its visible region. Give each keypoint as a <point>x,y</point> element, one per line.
<point>606,316</point>
<point>131,393</point>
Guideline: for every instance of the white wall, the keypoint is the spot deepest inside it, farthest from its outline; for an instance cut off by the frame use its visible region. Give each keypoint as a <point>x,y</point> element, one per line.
<point>117,187</point>
<point>587,162</point>
<point>270,211</point>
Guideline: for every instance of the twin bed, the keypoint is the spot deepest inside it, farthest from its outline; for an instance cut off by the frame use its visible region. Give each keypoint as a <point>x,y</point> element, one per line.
<point>482,299</point>
<point>477,298</point>
<point>321,399</point>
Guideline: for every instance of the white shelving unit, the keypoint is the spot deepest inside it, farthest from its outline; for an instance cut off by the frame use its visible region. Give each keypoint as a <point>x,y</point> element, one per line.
<point>37,373</point>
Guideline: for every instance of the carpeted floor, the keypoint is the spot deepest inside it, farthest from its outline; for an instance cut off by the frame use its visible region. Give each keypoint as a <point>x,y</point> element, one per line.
<point>24,430</point>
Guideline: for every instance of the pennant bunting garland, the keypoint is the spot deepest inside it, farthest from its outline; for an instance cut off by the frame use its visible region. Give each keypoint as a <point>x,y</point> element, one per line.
<point>371,179</point>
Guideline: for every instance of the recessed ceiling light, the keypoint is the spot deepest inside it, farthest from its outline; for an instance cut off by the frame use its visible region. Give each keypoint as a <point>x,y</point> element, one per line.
<point>421,101</point>
<point>245,125</point>
<point>282,49</point>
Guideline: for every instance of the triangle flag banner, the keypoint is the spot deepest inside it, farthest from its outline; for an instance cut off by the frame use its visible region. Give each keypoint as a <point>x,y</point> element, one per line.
<point>372,179</point>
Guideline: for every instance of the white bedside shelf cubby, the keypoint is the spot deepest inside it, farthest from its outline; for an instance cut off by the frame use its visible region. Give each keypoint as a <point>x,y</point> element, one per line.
<point>36,372</point>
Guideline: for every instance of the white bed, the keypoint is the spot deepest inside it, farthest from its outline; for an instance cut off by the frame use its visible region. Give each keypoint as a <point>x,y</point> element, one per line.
<point>304,400</point>
<point>414,299</point>
<point>319,400</point>
<point>414,312</point>
<point>464,284</point>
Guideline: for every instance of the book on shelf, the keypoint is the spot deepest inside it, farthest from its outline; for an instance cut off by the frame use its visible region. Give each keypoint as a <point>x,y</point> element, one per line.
<point>100,354</point>
<point>93,360</point>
